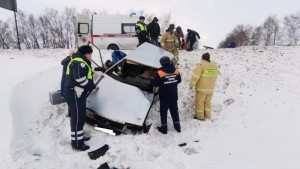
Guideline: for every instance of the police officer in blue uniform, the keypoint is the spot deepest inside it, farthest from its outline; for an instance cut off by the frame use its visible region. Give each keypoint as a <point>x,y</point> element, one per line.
<point>79,81</point>
<point>167,79</point>
<point>141,31</point>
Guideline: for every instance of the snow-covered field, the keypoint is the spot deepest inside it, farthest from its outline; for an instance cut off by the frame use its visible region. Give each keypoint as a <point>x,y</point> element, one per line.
<point>255,121</point>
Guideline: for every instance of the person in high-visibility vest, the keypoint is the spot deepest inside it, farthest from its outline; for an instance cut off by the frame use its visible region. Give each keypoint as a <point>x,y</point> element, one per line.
<point>203,79</point>
<point>79,81</point>
<point>141,31</point>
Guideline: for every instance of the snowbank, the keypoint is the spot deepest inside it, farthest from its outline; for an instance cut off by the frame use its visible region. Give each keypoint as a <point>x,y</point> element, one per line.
<point>254,120</point>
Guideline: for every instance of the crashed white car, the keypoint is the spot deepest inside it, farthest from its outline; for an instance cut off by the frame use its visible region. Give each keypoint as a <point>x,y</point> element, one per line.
<point>123,101</point>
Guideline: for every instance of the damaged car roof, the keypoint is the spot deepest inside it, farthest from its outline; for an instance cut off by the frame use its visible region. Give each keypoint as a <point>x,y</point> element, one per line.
<point>149,55</point>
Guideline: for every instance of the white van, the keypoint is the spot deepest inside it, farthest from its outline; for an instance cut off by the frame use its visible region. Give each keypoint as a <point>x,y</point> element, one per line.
<point>108,31</point>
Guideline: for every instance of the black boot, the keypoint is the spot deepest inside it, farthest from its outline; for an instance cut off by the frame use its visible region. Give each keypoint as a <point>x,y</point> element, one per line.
<point>163,129</point>
<point>86,138</point>
<point>177,127</point>
<point>83,147</point>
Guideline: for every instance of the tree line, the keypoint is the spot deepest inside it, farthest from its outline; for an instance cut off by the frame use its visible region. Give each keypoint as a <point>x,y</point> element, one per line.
<point>273,32</point>
<point>53,28</point>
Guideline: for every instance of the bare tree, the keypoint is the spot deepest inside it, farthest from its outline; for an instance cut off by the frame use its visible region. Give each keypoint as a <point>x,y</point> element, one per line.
<point>86,12</point>
<point>33,31</point>
<point>241,35</point>
<point>44,31</point>
<point>164,21</point>
<point>291,29</point>
<point>256,36</point>
<point>270,30</point>
<point>23,29</point>
<point>53,19</point>
<point>5,35</point>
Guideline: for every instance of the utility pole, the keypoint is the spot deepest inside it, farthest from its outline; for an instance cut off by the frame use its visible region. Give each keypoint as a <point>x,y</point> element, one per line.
<point>12,6</point>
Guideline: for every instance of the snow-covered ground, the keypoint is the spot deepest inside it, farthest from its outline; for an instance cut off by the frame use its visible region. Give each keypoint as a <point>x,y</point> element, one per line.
<point>255,119</point>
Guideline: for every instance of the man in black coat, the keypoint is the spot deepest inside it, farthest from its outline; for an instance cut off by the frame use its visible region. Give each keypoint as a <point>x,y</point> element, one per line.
<point>154,31</point>
<point>79,81</point>
<point>191,36</point>
<point>167,79</point>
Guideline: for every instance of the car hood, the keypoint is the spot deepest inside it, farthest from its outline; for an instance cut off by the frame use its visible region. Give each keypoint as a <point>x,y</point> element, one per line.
<point>120,102</point>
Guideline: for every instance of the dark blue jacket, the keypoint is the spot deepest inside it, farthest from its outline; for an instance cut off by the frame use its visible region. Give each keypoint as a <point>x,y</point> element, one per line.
<point>167,79</point>
<point>192,35</point>
<point>79,74</point>
<point>118,55</point>
<point>231,45</point>
<point>65,63</point>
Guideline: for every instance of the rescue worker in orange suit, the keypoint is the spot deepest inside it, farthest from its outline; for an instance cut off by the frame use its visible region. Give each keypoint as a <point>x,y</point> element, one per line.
<point>141,31</point>
<point>79,81</point>
<point>169,41</point>
<point>203,79</point>
<point>167,79</point>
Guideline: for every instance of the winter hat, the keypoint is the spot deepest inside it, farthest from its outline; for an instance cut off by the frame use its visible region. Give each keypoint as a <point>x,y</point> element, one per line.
<point>171,26</point>
<point>206,56</point>
<point>85,49</point>
<point>178,28</point>
<point>155,19</point>
<point>188,30</point>
<point>142,17</point>
<point>165,60</point>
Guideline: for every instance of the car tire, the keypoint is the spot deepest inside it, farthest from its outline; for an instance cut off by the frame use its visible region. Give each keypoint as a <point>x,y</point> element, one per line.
<point>113,47</point>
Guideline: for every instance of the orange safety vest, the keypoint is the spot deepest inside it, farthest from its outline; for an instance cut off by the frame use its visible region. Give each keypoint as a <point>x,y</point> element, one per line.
<point>163,74</point>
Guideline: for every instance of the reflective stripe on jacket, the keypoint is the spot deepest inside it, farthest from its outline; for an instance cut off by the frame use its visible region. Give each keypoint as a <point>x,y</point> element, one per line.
<point>167,79</point>
<point>204,77</point>
<point>90,74</point>
<point>169,41</point>
<point>163,74</point>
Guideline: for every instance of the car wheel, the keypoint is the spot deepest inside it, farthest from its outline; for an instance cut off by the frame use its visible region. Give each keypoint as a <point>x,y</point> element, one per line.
<point>113,47</point>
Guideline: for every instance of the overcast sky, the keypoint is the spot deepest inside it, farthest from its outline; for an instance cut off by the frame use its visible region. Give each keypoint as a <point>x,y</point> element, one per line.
<point>212,19</point>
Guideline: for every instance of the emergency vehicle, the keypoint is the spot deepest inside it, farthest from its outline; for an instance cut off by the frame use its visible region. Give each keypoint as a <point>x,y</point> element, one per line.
<point>108,31</point>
